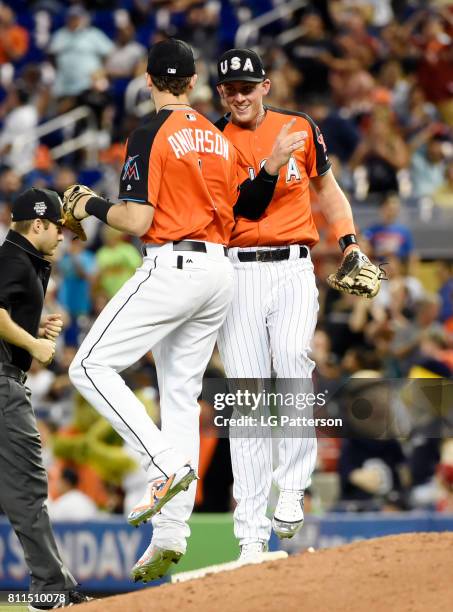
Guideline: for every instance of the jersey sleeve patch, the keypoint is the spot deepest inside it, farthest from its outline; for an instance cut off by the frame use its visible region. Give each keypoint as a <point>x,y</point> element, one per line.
<point>135,171</point>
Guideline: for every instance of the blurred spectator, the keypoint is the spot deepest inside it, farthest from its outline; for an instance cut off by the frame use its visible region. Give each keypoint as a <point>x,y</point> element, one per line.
<point>63,178</point>
<point>327,363</point>
<point>112,162</point>
<point>71,504</point>
<point>406,343</point>
<point>77,268</point>
<point>390,237</point>
<point>125,56</point>
<point>10,185</point>
<point>21,119</point>
<point>418,114</point>
<point>79,51</point>
<point>445,276</point>
<point>435,70</point>
<point>382,153</point>
<point>428,163</point>
<point>372,466</point>
<point>392,78</point>
<point>429,362</point>
<point>200,28</point>
<point>117,261</point>
<point>309,53</point>
<point>443,196</point>
<point>36,81</point>
<point>340,133</point>
<point>14,39</point>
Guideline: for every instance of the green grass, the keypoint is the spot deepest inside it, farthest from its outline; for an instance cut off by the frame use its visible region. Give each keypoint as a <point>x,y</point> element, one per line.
<point>11,608</point>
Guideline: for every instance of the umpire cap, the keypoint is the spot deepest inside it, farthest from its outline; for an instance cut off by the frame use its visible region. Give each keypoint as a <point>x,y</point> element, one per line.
<point>37,204</point>
<point>240,65</point>
<point>171,58</point>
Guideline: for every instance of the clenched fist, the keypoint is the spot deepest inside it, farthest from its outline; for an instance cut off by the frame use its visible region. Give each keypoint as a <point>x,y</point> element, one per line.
<point>51,326</point>
<point>43,350</point>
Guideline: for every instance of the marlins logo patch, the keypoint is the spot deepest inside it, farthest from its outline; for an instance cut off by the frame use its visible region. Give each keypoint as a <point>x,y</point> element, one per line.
<point>130,169</point>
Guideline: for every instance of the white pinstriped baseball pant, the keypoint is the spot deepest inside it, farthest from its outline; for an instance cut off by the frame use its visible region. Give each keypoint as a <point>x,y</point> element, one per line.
<point>175,312</point>
<point>269,327</point>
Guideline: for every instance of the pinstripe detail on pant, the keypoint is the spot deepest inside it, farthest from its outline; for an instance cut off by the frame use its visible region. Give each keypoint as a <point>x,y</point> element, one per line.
<point>268,331</point>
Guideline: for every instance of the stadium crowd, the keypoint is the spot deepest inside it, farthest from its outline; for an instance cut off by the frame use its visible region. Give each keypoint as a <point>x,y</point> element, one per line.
<point>377,77</point>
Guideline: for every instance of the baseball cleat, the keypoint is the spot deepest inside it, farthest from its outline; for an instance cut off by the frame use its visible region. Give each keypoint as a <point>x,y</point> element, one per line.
<point>159,492</point>
<point>154,563</point>
<point>252,552</point>
<point>289,514</point>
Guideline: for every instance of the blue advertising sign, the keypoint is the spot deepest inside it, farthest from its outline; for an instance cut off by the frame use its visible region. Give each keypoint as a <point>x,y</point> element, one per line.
<point>99,554</point>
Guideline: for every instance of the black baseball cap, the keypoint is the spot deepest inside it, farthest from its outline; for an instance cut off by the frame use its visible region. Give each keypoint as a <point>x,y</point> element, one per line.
<point>37,204</point>
<point>171,58</point>
<point>240,65</point>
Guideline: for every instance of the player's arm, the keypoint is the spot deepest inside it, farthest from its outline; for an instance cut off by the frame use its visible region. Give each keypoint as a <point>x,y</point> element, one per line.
<point>356,274</point>
<point>336,209</point>
<point>132,217</point>
<point>255,196</point>
<point>41,349</point>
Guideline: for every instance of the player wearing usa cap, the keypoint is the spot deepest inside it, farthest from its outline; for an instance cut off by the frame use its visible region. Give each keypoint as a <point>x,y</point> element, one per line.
<point>179,185</point>
<point>273,315</point>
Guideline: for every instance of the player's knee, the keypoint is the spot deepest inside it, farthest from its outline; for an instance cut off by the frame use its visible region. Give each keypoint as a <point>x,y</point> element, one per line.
<point>295,361</point>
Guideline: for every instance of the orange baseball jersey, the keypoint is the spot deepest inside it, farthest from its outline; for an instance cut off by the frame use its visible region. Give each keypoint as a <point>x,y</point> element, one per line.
<point>288,218</point>
<point>184,167</point>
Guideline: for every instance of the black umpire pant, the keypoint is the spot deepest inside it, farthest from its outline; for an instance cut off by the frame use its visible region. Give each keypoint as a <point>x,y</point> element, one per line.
<point>23,486</point>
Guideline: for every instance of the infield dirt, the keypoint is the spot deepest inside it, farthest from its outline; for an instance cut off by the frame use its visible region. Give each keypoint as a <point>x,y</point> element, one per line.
<point>405,573</point>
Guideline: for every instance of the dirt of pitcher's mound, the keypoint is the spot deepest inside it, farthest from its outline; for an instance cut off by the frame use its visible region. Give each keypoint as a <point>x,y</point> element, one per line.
<point>405,573</point>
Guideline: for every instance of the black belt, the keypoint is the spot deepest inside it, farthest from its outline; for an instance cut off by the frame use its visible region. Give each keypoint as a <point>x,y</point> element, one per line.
<point>191,245</point>
<point>274,255</point>
<point>10,371</point>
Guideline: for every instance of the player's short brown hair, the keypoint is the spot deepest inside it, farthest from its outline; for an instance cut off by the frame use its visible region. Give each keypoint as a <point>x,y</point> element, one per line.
<point>175,85</point>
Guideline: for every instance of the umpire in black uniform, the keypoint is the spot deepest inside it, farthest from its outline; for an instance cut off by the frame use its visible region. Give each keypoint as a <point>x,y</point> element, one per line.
<point>34,236</point>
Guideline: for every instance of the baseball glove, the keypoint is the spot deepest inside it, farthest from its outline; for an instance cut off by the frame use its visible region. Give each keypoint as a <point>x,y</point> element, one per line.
<point>356,275</point>
<point>70,198</point>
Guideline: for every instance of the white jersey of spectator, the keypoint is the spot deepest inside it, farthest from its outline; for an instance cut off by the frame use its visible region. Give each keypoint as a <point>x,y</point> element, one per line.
<point>78,54</point>
<point>426,176</point>
<point>21,121</point>
<point>73,506</point>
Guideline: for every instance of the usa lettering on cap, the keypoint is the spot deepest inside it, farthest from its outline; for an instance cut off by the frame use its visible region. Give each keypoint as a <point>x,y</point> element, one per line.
<point>240,64</point>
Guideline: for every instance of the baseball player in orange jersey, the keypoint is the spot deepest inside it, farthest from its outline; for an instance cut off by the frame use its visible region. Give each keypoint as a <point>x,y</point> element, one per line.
<point>179,185</point>
<point>273,315</point>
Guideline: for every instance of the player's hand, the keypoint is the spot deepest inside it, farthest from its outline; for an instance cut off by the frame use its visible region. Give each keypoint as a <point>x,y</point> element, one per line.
<point>285,145</point>
<point>43,350</point>
<point>52,326</point>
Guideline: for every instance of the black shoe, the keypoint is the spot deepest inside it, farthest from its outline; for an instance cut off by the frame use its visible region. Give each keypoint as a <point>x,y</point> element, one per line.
<point>74,598</point>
